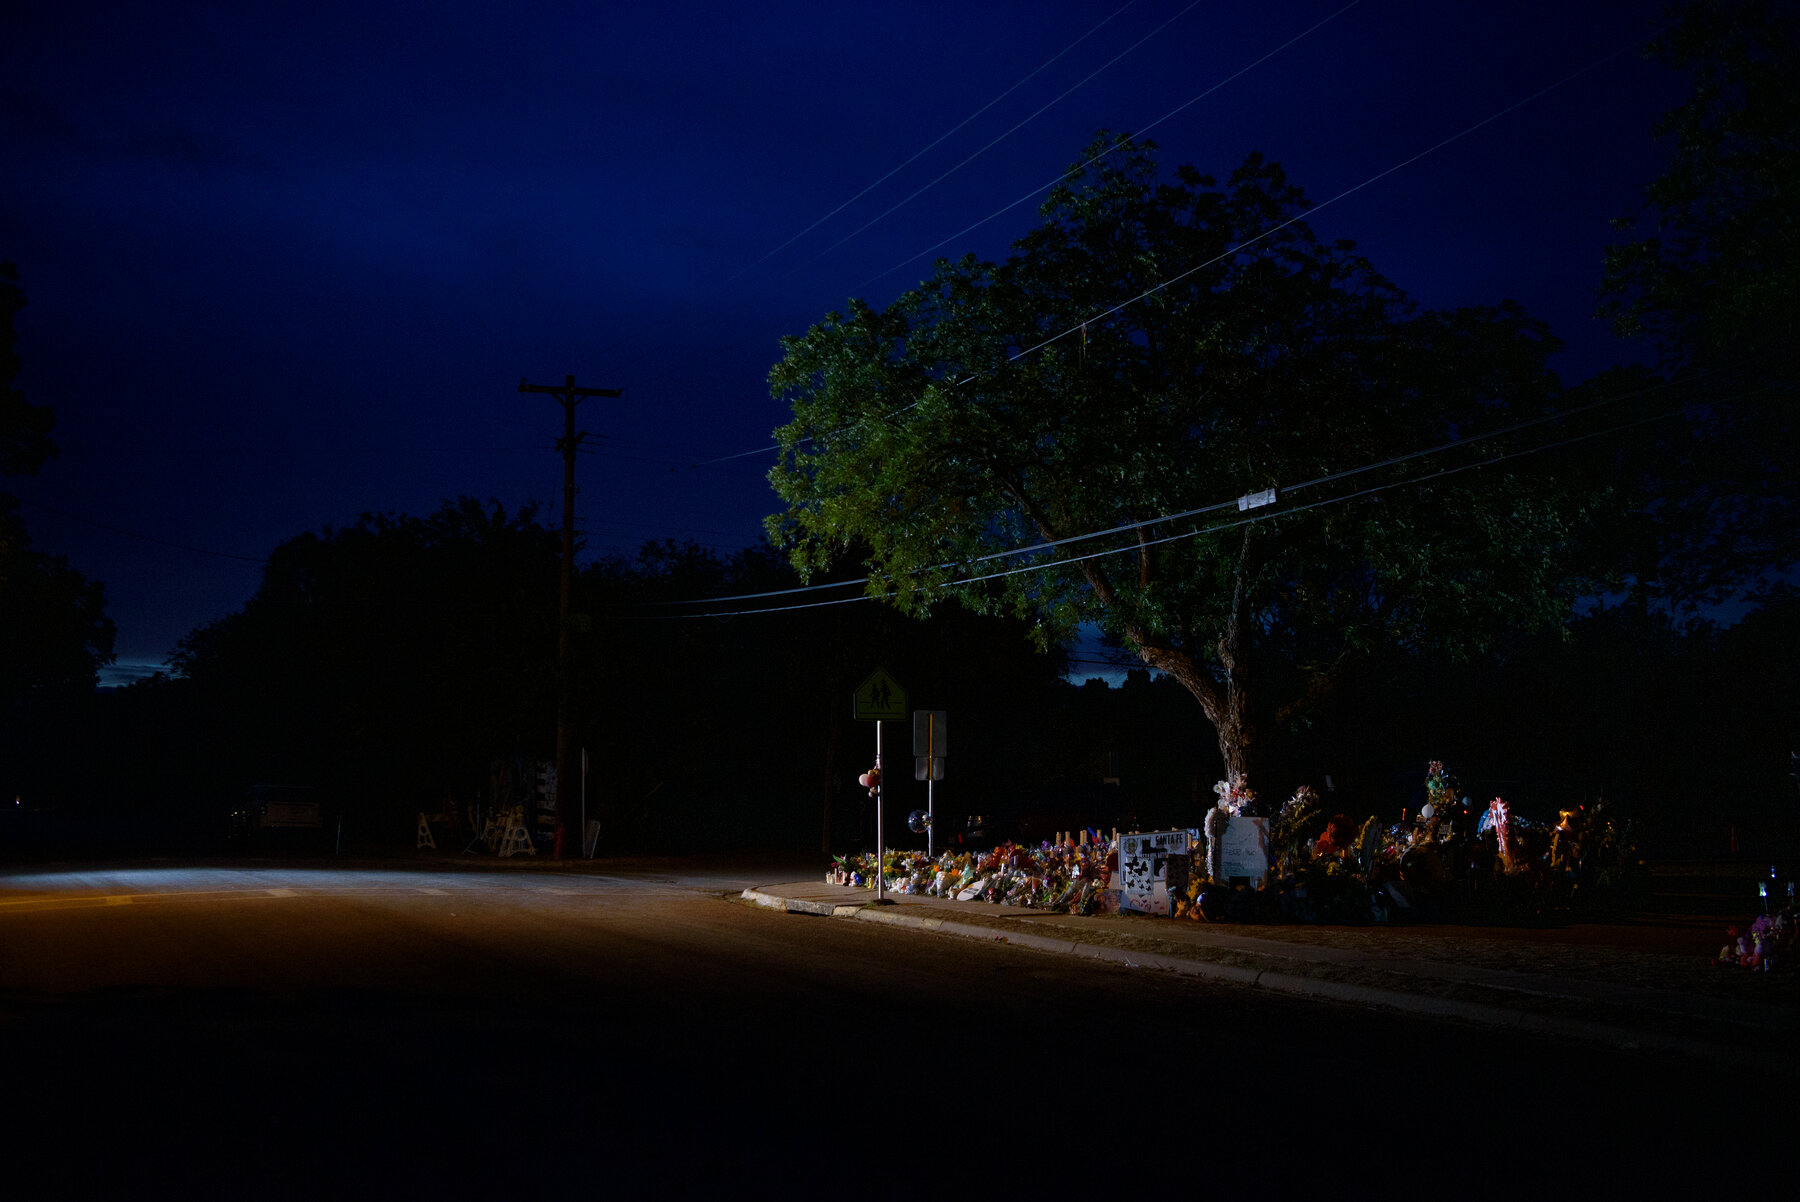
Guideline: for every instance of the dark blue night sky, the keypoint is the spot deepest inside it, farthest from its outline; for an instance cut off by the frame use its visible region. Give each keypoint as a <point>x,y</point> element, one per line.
<point>288,262</point>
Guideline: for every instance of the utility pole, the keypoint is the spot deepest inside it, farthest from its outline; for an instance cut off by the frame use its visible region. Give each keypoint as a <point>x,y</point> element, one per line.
<point>570,396</point>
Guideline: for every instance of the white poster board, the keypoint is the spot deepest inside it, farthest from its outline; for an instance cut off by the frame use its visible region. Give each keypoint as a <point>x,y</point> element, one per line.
<point>1143,869</point>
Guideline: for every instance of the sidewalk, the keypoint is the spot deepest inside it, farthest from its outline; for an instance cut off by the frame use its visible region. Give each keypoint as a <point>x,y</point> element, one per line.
<point>1642,986</point>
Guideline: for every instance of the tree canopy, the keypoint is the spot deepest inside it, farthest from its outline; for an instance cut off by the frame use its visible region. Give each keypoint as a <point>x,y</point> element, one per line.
<point>1714,274</point>
<point>24,428</point>
<point>392,659</point>
<point>1083,416</point>
<point>54,632</point>
<point>1710,278</point>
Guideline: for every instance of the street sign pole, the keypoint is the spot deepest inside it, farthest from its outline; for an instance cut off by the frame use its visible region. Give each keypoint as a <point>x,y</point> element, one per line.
<point>880,790</point>
<point>929,745</point>
<point>879,697</point>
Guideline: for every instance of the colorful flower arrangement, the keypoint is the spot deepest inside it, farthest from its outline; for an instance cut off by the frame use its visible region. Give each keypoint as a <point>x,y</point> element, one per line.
<point>1298,823</point>
<point>1440,793</point>
<point>1235,795</point>
<point>1065,878</point>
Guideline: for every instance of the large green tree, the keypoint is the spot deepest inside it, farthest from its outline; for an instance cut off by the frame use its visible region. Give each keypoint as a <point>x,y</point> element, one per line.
<point>1154,349</point>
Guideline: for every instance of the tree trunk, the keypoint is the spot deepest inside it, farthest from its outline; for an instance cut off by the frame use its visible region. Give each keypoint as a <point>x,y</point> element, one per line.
<point>1237,742</point>
<point>1226,700</point>
<point>1237,747</point>
<point>1226,705</point>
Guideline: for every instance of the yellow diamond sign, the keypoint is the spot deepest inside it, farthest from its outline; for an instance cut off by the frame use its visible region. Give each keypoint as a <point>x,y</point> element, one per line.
<point>880,698</point>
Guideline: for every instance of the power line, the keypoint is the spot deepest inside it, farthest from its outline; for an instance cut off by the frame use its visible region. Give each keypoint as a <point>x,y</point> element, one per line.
<point>161,542</point>
<point>1195,533</point>
<point>1404,163</point>
<point>1163,519</point>
<point>639,330</point>
<point>935,143</point>
<point>1085,80</point>
<point>1091,159</point>
<point>1274,229</point>
<point>1034,192</point>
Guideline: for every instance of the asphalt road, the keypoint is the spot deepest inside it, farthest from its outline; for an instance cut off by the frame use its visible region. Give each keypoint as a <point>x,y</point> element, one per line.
<point>277,1031</point>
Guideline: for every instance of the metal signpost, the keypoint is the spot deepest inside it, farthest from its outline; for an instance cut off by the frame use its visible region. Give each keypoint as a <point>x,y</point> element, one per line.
<point>879,699</point>
<point>930,742</point>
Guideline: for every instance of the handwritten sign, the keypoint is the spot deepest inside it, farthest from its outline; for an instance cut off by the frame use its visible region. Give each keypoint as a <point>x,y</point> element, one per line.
<point>1245,850</point>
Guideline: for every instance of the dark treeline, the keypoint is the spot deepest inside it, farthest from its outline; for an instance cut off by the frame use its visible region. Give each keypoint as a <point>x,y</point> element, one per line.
<point>400,663</point>
<point>404,664</point>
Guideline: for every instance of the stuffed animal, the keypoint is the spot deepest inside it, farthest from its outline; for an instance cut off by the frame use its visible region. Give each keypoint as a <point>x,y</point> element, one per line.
<point>1728,955</point>
<point>1339,837</point>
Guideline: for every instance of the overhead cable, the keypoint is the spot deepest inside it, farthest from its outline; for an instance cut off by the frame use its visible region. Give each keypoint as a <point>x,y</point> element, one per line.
<point>1274,229</point>
<point>633,334</point>
<point>1107,65</point>
<point>1098,155</point>
<point>1200,531</point>
<point>1164,519</point>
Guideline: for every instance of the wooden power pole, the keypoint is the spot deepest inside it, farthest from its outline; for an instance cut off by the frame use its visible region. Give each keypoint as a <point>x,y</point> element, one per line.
<point>570,396</point>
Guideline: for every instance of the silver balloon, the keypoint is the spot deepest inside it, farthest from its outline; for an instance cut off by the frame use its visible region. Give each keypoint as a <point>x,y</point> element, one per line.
<point>920,821</point>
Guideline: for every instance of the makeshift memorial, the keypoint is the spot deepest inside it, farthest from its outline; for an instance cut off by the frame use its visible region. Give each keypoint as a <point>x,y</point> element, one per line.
<point>1764,946</point>
<point>1301,865</point>
<point>1054,876</point>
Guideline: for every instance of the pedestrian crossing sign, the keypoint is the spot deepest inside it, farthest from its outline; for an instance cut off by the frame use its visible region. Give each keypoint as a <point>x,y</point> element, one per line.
<point>880,698</point>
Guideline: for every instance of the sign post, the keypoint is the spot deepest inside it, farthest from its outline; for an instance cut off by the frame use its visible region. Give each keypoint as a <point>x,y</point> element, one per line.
<point>930,742</point>
<point>878,699</point>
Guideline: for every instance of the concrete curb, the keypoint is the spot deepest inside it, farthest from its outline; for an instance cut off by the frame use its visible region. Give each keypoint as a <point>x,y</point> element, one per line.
<point>795,905</point>
<point>1503,1017</point>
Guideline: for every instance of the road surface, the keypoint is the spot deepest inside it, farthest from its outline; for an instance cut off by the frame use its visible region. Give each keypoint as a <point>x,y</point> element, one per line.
<point>274,1031</point>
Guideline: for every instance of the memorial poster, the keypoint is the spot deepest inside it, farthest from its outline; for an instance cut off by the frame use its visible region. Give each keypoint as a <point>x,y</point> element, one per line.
<point>1144,869</point>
